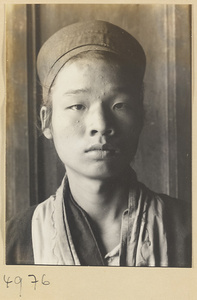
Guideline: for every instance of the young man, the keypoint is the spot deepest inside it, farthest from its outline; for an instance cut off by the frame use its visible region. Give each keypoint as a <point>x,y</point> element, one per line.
<point>92,78</point>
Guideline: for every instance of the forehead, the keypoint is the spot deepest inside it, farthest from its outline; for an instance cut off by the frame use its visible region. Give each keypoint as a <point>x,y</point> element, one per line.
<point>92,67</point>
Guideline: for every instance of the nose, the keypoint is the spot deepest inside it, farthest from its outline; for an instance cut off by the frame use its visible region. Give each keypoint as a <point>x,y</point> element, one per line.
<point>100,122</point>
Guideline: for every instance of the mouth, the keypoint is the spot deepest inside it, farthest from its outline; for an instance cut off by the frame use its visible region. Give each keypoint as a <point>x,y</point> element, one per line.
<point>102,151</point>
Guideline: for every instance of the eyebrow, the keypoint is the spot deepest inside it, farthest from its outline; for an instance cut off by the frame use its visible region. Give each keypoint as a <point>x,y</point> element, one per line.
<point>76,91</point>
<point>119,89</point>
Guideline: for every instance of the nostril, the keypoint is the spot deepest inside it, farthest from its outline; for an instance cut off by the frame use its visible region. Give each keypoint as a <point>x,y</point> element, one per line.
<point>106,132</point>
<point>93,132</point>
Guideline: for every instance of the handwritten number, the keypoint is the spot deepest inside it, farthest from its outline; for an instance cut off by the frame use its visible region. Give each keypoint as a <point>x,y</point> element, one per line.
<point>8,281</point>
<point>46,282</point>
<point>35,281</point>
<point>18,280</point>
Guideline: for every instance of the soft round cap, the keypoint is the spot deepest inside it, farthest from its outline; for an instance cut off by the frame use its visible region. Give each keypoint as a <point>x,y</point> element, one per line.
<point>86,36</point>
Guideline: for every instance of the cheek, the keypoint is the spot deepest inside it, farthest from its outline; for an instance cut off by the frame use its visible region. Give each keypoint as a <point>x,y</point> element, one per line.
<point>66,128</point>
<point>68,139</point>
<point>127,125</point>
<point>130,135</point>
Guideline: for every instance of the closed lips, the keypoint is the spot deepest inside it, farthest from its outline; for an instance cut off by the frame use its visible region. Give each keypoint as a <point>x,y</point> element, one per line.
<point>102,147</point>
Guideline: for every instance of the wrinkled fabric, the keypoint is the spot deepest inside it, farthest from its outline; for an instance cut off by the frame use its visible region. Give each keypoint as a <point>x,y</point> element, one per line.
<point>143,243</point>
<point>112,258</point>
<point>155,231</point>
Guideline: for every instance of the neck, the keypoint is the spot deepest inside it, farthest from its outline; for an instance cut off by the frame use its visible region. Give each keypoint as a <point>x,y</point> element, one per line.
<point>101,199</point>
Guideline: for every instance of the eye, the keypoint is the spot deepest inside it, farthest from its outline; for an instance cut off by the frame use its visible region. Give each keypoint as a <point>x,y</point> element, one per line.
<point>77,107</point>
<point>120,106</point>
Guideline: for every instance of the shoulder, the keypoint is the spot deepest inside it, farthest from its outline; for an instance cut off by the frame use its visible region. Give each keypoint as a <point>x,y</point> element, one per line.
<point>44,209</point>
<point>173,208</point>
<point>175,217</point>
<point>178,227</point>
<point>175,214</point>
<point>177,211</point>
<point>19,248</point>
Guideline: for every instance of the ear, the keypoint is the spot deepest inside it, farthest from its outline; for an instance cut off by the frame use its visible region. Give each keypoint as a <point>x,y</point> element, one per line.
<point>43,117</point>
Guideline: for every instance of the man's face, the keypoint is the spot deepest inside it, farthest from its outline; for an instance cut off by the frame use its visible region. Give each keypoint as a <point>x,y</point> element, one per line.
<point>94,125</point>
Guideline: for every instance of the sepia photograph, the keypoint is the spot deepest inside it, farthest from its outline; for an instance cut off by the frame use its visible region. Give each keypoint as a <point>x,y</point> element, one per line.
<point>98,135</point>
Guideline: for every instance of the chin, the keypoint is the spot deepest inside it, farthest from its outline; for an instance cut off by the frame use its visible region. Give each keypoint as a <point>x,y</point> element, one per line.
<point>105,173</point>
<point>99,170</point>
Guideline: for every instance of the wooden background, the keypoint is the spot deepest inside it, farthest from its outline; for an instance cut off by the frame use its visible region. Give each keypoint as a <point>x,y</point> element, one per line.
<point>163,161</point>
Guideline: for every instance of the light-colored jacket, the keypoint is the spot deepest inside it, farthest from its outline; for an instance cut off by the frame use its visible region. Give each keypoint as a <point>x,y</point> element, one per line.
<point>157,232</point>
